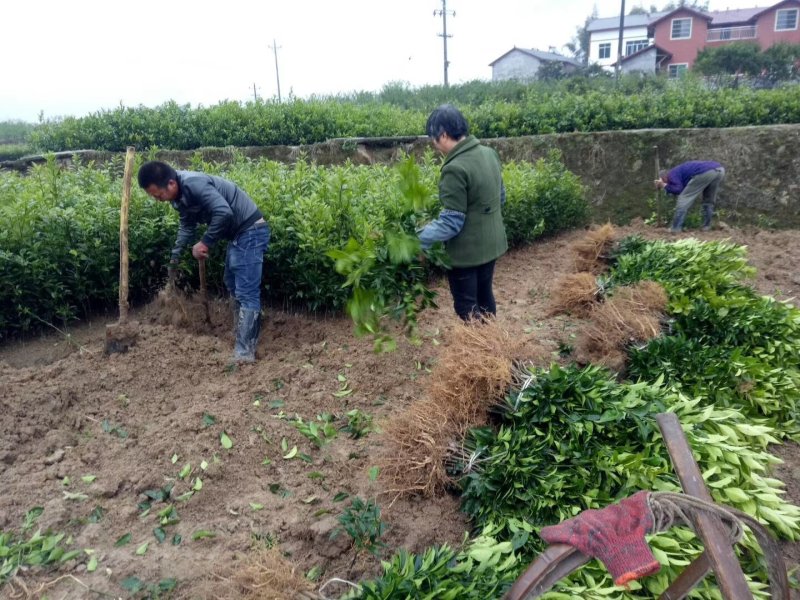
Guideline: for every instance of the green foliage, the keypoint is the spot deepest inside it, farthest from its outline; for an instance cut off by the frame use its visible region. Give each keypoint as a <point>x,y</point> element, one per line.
<point>542,200</point>
<point>359,424</point>
<point>14,151</point>
<point>736,57</point>
<point>586,101</point>
<point>729,346</point>
<point>320,432</point>
<point>59,237</point>
<point>38,550</point>
<point>362,522</point>
<point>776,63</point>
<point>484,568</point>
<point>15,132</point>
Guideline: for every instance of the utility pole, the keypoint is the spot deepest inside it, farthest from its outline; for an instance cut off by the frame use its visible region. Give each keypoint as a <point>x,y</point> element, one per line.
<point>275,47</point>
<point>444,12</point>
<point>618,68</point>
<point>255,95</point>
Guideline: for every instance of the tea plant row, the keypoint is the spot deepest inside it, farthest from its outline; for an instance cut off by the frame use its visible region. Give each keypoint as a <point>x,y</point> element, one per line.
<point>59,234</point>
<point>522,111</point>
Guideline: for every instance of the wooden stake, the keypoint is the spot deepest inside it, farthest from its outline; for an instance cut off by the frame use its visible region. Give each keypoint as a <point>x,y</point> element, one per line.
<point>123,235</point>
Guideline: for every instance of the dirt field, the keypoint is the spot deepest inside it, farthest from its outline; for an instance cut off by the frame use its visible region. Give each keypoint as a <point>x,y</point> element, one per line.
<point>70,412</point>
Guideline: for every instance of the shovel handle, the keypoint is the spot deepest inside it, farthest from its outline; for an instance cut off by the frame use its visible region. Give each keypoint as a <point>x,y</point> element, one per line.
<point>202,266</point>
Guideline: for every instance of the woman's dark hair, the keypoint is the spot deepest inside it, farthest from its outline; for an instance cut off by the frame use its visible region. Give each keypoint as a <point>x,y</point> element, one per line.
<point>446,119</point>
<point>155,173</point>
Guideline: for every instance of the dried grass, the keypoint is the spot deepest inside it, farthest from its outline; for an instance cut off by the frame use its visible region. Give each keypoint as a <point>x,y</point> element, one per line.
<point>592,250</point>
<point>265,575</point>
<point>575,294</point>
<point>472,374</point>
<point>632,315</point>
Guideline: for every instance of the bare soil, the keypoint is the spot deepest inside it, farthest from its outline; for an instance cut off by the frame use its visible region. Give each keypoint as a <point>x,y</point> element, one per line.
<point>69,411</point>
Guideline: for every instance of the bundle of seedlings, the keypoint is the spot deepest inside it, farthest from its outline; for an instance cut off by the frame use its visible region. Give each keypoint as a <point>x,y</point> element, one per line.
<point>571,439</point>
<point>575,294</point>
<point>593,252</point>
<point>266,575</point>
<point>472,375</point>
<point>629,318</point>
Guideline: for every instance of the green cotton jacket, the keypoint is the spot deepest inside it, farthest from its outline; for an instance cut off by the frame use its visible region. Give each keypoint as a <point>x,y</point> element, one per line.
<point>470,183</point>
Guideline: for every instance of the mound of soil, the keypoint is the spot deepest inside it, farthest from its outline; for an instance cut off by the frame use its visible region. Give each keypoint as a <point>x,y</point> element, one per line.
<point>131,423</point>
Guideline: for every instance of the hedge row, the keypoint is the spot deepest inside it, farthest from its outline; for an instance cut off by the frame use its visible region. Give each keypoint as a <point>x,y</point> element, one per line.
<point>538,110</point>
<point>59,248</point>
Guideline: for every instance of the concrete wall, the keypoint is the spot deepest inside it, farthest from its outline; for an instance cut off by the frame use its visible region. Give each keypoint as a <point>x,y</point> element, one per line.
<point>645,63</point>
<point>611,36</point>
<point>762,184</point>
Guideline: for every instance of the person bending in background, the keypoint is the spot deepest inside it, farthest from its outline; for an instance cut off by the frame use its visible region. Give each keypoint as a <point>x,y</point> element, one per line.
<point>230,215</point>
<point>470,223</point>
<point>688,181</point>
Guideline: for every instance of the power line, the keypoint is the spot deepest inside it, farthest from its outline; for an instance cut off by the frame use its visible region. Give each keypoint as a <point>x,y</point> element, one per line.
<point>444,35</point>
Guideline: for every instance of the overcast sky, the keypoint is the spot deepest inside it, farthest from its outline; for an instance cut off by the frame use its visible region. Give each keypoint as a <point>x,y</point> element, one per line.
<point>80,56</point>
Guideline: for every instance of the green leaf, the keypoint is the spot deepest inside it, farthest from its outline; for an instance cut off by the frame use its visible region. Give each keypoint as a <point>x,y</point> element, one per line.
<point>202,534</point>
<point>160,534</point>
<point>88,478</point>
<point>91,566</point>
<point>225,441</point>
<point>256,506</point>
<point>141,550</point>
<point>123,540</point>
<point>341,496</point>
<point>132,584</point>
<point>291,454</point>
<point>208,420</point>
<point>373,473</point>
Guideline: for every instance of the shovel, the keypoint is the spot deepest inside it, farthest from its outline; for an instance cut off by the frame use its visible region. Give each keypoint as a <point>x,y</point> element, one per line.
<point>203,289</point>
<point>121,336</point>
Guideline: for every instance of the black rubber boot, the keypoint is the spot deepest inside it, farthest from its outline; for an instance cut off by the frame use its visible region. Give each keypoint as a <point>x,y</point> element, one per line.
<point>708,212</point>
<point>247,330</point>
<point>235,308</point>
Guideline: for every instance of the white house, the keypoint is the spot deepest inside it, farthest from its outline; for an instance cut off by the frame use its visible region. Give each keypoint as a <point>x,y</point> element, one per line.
<point>604,37</point>
<point>523,64</point>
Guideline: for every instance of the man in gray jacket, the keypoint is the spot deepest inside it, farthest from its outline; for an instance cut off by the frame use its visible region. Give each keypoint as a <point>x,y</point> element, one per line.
<point>230,215</point>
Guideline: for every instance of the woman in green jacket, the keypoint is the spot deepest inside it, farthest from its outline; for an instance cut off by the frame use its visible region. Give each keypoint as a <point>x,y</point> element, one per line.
<point>471,221</point>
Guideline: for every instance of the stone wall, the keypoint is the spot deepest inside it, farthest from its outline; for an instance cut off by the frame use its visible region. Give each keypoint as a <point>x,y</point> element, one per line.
<point>762,183</point>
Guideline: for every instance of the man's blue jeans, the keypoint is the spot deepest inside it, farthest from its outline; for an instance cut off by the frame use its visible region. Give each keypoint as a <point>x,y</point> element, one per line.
<point>244,261</point>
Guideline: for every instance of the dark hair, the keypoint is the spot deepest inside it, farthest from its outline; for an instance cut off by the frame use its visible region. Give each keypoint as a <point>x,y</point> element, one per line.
<point>155,173</point>
<point>447,119</point>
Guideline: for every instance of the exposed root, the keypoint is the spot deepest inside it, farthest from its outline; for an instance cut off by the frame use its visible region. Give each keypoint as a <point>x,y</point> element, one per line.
<point>632,315</point>
<point>471,376</point>
<point>575,294</point>
<point>592,251</point>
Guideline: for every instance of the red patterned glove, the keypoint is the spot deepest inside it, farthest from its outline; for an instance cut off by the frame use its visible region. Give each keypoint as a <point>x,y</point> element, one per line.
<point>614,535</point>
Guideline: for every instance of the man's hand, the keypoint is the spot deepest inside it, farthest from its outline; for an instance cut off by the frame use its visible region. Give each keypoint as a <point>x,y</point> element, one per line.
<point>659,184</point>
<point>200,251</point>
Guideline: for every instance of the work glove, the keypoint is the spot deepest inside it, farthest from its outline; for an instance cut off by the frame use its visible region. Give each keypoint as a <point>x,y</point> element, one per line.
<point>614,535</point>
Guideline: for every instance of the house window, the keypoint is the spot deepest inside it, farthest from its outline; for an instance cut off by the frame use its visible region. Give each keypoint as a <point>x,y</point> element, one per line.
<point>786,19</point>
<point>677,70</point>
<point>635,45</point>
<point>605,50</point>
<point>681,28</point>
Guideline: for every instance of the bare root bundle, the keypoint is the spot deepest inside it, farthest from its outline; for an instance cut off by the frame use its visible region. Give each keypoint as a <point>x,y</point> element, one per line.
<point>266,575</point>
<point>473,373</point>
<point>416,446</point>
<point>592,249</point>
<point>632,315</point>
<point>575,294</point>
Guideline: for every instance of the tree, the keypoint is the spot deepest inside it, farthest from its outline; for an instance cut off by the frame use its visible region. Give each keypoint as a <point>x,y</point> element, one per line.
<point>781,62</point>
<point>638,10</point>
<point>578,46</point>
<point>695,4</point>
<point>742,58</point>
